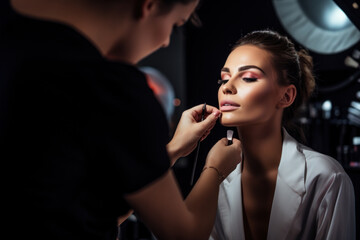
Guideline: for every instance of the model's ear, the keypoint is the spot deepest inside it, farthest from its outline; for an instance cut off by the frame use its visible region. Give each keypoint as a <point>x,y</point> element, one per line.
<point>288,96</point>
<point>144,8</point>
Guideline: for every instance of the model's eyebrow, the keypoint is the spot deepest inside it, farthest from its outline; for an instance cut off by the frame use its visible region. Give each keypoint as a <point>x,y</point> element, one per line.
<point>243,68</point>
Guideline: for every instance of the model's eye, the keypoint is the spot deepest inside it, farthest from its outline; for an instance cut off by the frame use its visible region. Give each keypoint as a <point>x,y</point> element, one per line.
<point>221,82</point>
<point>247,79</point>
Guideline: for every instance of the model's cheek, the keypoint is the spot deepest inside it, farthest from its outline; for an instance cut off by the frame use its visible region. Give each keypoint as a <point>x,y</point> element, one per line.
<point>259,101</point>
<point>231,119</point>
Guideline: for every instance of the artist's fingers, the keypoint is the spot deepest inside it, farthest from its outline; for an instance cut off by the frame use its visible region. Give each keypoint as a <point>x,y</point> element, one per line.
<point>210,120</point>
<point>205,135</point>
<point>208,131</point>
<point>197,111</point>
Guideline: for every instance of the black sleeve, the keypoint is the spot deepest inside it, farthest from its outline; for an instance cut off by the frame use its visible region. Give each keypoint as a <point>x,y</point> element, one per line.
<point>130,129</point>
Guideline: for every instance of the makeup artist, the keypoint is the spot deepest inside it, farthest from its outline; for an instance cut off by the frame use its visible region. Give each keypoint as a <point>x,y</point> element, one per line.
<point>83,138</point>
<point>281,189</point>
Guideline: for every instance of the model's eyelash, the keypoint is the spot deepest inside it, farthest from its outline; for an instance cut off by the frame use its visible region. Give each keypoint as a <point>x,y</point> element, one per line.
<point>250,79</point>
<point>221,82</point>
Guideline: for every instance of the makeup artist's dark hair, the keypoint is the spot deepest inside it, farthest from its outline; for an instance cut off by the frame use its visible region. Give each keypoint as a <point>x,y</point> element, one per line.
<point>293,67</point>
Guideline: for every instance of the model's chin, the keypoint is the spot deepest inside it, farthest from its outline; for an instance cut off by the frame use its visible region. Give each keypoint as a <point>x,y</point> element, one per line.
<point>227,121</point>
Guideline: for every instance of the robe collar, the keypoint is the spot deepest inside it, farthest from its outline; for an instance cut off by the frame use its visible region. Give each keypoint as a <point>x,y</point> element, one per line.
<point>289,190</point>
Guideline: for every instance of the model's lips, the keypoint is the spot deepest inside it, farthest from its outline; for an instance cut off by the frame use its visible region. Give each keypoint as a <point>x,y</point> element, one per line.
<point>226,106</point>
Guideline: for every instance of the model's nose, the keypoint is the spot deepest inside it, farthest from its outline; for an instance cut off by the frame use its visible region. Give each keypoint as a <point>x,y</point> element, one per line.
<point>228,88</point>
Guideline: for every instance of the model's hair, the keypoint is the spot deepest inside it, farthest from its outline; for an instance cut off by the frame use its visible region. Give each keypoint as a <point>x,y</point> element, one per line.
<point>292,66</point>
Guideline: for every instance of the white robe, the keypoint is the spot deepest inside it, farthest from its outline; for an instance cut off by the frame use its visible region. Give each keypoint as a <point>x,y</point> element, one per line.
<point>313,199</point>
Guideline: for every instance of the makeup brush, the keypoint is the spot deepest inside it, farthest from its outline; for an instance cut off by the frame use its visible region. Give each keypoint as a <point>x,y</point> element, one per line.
<point>350,62</point>
<point>229,136</point>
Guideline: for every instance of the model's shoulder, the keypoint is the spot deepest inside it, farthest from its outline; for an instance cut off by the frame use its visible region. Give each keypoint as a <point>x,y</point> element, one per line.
<point>320,165</point>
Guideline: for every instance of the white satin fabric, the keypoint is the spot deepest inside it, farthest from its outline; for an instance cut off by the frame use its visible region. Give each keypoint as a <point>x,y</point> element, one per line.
<point>313,199</point>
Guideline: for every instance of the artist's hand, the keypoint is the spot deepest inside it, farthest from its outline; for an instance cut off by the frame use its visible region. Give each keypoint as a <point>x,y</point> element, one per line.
<point>223,157</point>
<point>190,130</point>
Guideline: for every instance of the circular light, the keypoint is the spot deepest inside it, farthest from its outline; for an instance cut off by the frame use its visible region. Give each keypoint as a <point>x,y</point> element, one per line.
<point>319,25</point>
<point>325,14</point>
<point>336,18</point>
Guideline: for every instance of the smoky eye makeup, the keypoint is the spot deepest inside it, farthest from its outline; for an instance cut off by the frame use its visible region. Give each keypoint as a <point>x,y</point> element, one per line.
<point>248,79</point>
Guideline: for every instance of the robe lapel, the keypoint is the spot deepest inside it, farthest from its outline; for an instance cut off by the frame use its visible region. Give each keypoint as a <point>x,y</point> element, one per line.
<point>233,225</point>
<point>290,187</point>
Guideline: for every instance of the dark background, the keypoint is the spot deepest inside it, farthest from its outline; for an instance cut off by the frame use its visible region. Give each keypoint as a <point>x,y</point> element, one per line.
<point>192,64</point>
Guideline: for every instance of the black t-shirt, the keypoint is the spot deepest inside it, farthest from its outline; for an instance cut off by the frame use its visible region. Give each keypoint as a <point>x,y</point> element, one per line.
<point>77,133</point>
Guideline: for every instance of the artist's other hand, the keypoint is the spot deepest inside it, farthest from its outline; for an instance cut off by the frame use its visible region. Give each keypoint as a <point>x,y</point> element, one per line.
<point>190,130</point>
<point>223,157</point>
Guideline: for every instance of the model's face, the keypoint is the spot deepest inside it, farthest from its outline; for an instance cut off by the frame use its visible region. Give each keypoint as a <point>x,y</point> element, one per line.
<point>252,92</point>
<point>157,35</point>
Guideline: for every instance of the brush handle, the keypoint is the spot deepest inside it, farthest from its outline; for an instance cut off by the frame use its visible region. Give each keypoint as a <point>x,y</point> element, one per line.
<point>197,149</point>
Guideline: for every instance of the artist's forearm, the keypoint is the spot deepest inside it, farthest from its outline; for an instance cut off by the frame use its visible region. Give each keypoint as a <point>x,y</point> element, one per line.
<point>161,206</point>
<point>202,201</point>
<point>173,152</point>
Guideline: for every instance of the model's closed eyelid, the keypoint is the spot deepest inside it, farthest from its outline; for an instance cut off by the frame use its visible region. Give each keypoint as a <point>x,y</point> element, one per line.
<point>246,79</point>
<point>225,76</point>
<point>249,76</point>
<point>246,73</point>
<point>250,79</point>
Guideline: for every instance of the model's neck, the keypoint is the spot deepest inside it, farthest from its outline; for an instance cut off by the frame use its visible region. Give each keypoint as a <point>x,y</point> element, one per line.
<point>262,147</point>
<point>97,25</point>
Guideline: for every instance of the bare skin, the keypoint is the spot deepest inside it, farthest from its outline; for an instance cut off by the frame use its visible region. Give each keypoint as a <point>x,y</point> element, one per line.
<point>258,186</point>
